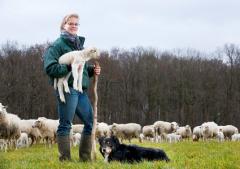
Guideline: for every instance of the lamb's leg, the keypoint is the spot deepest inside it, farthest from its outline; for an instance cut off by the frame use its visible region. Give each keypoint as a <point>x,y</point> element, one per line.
<point>80,75</point>
<point>55,83</point>
<point>75,75</point>
<point>65,83</point>
<point>60,89</point>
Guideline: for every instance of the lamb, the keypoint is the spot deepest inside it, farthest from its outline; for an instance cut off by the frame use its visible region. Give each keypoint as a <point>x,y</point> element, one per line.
<point>209,130</point>
<point>23,141</point>
<point>184,131</point>
<point>220,136</point>
<point>228,130</point>
<point>173,137</point>
<point>236,137</point>
<point>197,133</point>
<point>47,128</point>
<point>126,131</point>
<point>77,60</point>
<point>9,126</point>
<point>3,145</point>
<point>162,127</point>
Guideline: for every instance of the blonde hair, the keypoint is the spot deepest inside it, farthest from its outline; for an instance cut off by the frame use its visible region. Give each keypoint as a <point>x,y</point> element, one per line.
<point>66,19</point>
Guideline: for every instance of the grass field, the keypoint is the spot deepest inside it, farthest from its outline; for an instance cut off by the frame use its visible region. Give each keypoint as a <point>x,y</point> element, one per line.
<point>183,155</point>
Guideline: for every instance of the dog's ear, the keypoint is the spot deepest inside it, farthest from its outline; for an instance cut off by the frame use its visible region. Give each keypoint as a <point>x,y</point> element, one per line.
<point>115,139</point>
<point>100,140</point>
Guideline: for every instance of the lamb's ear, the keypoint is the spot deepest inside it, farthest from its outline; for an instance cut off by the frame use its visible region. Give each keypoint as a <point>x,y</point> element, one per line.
<point>93,50</point>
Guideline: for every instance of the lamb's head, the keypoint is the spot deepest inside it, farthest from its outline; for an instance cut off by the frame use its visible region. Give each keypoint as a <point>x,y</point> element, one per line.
<point>92,52</point>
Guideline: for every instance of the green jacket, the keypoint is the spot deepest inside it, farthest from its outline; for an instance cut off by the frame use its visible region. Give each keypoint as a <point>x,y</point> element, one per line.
<point>56,70</point>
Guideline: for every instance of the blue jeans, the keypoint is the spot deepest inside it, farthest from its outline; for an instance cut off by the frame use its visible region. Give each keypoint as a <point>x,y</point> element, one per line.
<point>78,103</point>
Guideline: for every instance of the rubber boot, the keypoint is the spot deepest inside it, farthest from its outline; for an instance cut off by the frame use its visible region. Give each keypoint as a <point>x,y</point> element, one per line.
<point>64,148</point>
<point>85,148</point>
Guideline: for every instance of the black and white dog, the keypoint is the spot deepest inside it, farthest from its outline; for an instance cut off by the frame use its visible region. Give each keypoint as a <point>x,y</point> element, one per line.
<point>112,150</point>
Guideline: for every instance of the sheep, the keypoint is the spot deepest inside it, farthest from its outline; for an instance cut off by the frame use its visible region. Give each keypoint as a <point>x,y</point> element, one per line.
<point>76,139</point>
<point>163,127</point>
<point>9,126</point>
<point>102,130</point>
<point>173,137</point>
<point>236,137</point>
<point>33,132</point>
<point>220,136</point>
<point>77,60</point>
<point>23,141</point>
<point>47,128</point>
<point>148,132</point>
<point>184,131</point>
<point>197,133</point>
<point>209,130</point>
<point>126,131</point>
<point>228,130</point>
<point>77,128</point>
<point>3,145</point>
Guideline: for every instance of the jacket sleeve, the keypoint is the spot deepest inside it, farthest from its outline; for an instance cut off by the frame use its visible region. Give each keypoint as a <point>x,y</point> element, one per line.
<point>51,65</point>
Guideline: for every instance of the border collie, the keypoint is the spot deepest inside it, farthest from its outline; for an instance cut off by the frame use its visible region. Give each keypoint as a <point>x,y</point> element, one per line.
<point>112,150</point>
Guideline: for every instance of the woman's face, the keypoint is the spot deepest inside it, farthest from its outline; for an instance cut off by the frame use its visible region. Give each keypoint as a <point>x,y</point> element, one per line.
<point>72,25</point>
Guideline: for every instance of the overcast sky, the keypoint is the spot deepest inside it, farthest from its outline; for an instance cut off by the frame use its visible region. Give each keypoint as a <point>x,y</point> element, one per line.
<point>164,24</point>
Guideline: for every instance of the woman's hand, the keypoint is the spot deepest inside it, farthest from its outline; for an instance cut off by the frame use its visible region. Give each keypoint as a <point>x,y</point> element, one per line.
<point>97,69</point>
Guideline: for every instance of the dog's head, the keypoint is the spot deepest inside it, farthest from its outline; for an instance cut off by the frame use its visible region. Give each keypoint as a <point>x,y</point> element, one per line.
<point>108,144</point>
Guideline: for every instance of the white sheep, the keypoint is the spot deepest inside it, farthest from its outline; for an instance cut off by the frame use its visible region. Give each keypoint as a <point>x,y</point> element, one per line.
<point>161,128</point>
<point>77,128</point>
<point>126,131</point>
<point>236,137</point>
<point>3,145</point>
<point>173,137</point>
<point>77,60</point>
<point>9,126</point>
<point>33,132</point>
<point>209,130</point>
<point>184,131</point>
<point>220,136</point>
<point>102,130</point>
<point>47,128</point>
<point>197,133</point>
<point>23,141</point>
<point>148,132</point>
<point>76,139</point>
<point>228,130</point>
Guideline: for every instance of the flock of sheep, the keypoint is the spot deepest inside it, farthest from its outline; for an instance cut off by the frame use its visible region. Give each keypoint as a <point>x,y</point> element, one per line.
<point>17,133</point>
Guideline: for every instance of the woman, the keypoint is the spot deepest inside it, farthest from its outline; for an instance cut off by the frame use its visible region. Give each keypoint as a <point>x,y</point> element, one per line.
<point>76,102</point>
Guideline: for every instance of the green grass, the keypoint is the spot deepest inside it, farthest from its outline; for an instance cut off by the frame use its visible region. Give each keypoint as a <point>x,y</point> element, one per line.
<point>183,155</point>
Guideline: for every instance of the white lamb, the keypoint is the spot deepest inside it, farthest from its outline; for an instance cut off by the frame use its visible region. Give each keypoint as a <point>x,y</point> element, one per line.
<point>23,141</point>
<point>220,136</point>
<point>173,137</point>
<point>77,60</point>
<point>236,137</point>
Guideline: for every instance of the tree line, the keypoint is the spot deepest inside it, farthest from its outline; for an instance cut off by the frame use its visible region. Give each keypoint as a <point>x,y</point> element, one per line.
<point>139,85</point>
